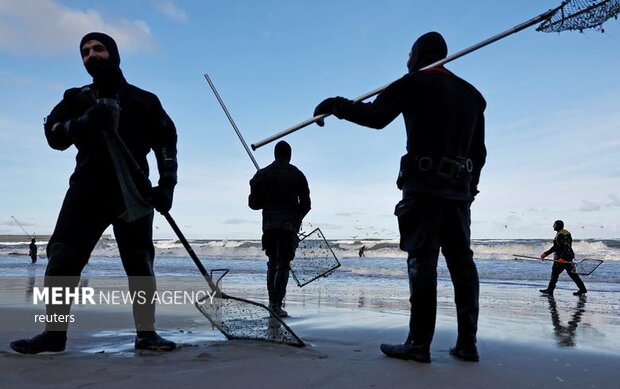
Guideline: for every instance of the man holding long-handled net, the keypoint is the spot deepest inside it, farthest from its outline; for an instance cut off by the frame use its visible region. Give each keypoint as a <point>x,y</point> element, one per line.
<point>444,119</point>
<point>563,260</point>
<point>96,199</point>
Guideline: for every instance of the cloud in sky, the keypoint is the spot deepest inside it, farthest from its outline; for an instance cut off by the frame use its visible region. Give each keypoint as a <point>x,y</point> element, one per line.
<point>239,221</point>
<point>589,206</point>
<point>170,10</point>
<point>45,27</point>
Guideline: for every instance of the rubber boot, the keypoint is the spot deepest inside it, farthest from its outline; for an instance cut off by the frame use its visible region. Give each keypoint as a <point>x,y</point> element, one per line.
<point>47,341</point>
<point>150,340</point>
<point>277,309</point>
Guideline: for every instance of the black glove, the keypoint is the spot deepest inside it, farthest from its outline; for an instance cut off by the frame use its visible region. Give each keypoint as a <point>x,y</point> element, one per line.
<point>330,106</point>
<point>161,198</point>
<point>96,117</point>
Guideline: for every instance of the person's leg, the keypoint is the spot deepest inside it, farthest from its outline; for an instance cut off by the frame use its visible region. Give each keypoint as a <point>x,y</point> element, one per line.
<point>556,269</point>
<point>135,245</point>
<point>287,243</point>
<point>78,228</point>
<point>455,241</point>
<point>270,247</point>
<point>280,247</point>
<point>419,226</point>
<point>576,279</point>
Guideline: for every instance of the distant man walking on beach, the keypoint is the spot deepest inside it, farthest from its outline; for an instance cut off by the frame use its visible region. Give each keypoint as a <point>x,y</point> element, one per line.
<point>281,191</point>
<point>94,199</point>
<point>33,250</point>
<point>444,120</point>
<point>563,256</point>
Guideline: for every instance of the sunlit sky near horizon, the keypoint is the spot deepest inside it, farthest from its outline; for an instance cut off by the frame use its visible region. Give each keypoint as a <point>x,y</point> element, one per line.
<point>553,121</point>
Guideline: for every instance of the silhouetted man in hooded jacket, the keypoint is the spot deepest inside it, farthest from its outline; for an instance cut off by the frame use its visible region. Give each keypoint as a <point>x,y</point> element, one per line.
<point>281,191</point>
<point>439,175</point>
<point>94,199</point>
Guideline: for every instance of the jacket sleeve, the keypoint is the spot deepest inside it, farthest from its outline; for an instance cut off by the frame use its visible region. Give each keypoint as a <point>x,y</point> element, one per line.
<point>304,198</point>
<point>165,146</point>
<point>58,124</point>
<point>377,114</point>
<point>478,152</point>
<point>255,199</point>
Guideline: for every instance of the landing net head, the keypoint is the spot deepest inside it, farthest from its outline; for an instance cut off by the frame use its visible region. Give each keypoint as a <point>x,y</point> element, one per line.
<point>580,15</point>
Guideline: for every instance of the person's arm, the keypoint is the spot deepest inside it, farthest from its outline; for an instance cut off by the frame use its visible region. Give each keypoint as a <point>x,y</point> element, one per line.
<point>165,149</point>
<point>71,121</point>
<point>553,249</point>
<point>478,152</point>
<point>255,199</point>
<point>376,114</point>
<point>304,198</point>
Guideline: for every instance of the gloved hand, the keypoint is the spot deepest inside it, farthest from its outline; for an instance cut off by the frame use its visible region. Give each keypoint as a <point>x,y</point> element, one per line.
<point>330,106</point>
<point>562,260</point>
<point>543,256</point>
<point>161,198</point>
<point>96,117</point>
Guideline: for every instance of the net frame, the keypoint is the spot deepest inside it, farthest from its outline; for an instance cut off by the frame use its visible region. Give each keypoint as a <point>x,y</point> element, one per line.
<point>317,259</point>
<point>585,267</point>
<point>241,319</point>
<point>579,15</point>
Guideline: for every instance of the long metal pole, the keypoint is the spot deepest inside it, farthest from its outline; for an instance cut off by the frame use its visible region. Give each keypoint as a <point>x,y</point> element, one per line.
<point>22,227</point>
<point>515,29</point>
<point>230,119</point>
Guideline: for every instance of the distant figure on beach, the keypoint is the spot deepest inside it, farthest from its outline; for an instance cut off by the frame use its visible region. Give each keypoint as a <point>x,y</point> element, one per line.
<point>281,191</point>
<point>565,334</point>
<point>444,120</point>
<point>563,256</point>
<point>94,200</point>
<point>361,252</point>
<point>33,250</point>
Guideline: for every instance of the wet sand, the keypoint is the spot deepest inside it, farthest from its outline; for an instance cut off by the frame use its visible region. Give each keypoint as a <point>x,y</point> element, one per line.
<point>525,340</point>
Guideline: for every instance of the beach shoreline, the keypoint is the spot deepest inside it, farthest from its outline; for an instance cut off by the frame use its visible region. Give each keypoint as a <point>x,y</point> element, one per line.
<point>519,344</point>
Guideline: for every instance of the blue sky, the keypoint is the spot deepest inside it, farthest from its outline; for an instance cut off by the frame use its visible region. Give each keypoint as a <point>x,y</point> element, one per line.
<point>552,118</point>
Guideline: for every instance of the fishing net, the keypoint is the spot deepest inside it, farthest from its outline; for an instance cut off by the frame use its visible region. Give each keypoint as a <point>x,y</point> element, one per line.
<point>584,267</point>
<point>314,258</point>
<point>579,15</point>
<point>239,318</point>
<point>587,266</point>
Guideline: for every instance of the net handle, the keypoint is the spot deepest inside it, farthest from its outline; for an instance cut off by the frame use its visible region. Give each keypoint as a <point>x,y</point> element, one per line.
<point>118,150</point>
<point>231,120</point>
<point>538,19</point>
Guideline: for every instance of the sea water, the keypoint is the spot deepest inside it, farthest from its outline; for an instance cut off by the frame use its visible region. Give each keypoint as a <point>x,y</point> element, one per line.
<point>377,282</point>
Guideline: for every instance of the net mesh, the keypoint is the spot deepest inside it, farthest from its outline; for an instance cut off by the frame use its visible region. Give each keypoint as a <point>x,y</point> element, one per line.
<point>238,318</point>
<point>314,259</point>
<point>586,266</point>
<point>579,15</point>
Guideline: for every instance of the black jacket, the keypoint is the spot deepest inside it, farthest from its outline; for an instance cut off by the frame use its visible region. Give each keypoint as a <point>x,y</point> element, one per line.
<point>562,246</point>
<point>281,191</point>
<point>143,126</point>
<point>444,119</point>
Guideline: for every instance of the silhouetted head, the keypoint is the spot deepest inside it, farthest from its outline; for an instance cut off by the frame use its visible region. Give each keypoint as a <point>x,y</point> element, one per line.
<point>32,241</point>
<point>282,151</point>
<point>429,48</point>
<point>101,59</point>
<point>558,225</point>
